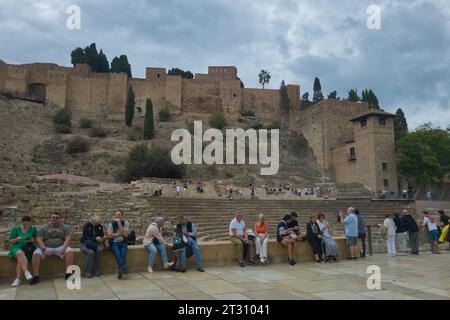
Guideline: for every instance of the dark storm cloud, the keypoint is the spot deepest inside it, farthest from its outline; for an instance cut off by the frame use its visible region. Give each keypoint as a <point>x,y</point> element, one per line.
<point>407,62</point>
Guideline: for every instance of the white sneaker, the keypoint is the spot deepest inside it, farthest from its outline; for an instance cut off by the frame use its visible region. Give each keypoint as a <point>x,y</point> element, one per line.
<point>262,260</point>
<point>16,283</point>
<point>168,265</point>
<point>28,275</point>
<point>149,270</point>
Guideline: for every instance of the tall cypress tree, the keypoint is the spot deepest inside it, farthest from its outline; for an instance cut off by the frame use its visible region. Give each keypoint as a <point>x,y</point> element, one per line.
<point>77,56</point>
<point>148,120</point>
<point>371,99</point>
<point>318,96</point>
<point>353,95</point>
<point>102,63</point>
<point>129,107</point>
<point>121,65</point>
<point>284,97</point>
<point>400,124</point>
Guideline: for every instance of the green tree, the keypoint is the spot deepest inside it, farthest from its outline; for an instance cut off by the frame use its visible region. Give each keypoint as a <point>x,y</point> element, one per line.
<point>77,56</point>
<point>180,72</point>
<point>148,120</point>
<point>121,65</point>
<point>318,96</point>
<point>264,77</point>
<point>284,97</point>
<point>157,163</point>
<point>129,107</point>
<point>91,57</point>
<point>417,160</point>
<point>102,63</point>
<point>400,124</point>
<point>333,95</point>
<point>305,102</point>
<point>371,99</point>
<point>353,95</point>
<point>217,121</point>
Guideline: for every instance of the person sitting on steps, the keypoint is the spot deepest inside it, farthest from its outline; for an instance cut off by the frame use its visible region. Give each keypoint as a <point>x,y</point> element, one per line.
<point>52,239</point>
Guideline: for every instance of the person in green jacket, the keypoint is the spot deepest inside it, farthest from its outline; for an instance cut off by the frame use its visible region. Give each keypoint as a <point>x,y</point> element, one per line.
<point>21,239</point>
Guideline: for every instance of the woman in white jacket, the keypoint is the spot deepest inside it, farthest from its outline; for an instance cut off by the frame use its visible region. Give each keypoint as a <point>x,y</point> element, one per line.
<point>390,229</point>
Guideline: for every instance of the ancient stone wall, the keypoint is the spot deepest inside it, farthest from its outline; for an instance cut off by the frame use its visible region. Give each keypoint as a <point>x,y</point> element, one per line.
<point>16,79</point>
<point>173,94</point>
<point>3,73</point>
<point>264,102</point>
<point>57,87</point>
<point>326,125</point>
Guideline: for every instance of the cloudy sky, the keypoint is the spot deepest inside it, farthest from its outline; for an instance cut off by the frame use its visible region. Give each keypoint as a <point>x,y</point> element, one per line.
<point>406,62</point>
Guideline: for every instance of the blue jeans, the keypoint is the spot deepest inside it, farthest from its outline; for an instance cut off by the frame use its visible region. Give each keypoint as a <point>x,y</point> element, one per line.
<point>196,251</point>
<point>92,259</point>
<point>152,251</point>
<point>120,252</point>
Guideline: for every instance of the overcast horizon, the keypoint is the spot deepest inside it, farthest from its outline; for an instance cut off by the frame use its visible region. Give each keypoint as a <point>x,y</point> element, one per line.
<point>406,62</point>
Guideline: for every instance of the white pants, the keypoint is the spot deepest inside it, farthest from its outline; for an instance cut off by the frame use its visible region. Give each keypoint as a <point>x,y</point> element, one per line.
<point>391,245</point>
<point>261,248</point>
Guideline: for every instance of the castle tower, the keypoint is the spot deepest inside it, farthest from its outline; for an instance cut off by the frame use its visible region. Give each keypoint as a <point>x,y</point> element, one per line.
<point>373,151</point>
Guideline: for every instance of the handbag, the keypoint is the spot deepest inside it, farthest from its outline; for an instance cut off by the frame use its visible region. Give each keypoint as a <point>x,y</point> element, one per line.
<point>28,249</point>
<point>178,243</point>
<point>189,251</point>
<point>91,244</point>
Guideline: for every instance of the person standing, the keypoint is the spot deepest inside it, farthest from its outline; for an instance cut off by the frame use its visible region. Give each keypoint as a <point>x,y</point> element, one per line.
<point>400,235</point>
<point>117,233</point>
<point>413,231</point>
<point>361,233</point>
<point>262,238</point>
<point>431,226</point>
<point>351,231</point>
<point>389,231</point>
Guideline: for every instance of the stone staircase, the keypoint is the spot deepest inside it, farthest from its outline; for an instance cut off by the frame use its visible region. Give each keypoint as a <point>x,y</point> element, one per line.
<point>354,190</point>
<point>211,216</point>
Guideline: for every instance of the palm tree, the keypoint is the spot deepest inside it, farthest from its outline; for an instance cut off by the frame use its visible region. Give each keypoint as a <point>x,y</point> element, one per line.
<point>264,77</point>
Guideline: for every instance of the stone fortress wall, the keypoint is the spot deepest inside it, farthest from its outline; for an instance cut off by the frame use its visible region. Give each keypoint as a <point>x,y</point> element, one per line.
<point>325,125</point>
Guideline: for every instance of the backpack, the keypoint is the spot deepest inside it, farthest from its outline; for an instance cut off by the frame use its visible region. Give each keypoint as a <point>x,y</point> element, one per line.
<point>131,239</point>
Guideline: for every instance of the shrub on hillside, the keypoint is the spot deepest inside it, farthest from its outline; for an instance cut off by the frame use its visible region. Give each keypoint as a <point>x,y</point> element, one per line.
<point>62,121</point>
<point>78,144</point>
<point>157,163</point>
<point>164,114</point>
<point>86,123</point>
<point>133,136</point>
<point>62,128</point>
<point>257,126</point>
<point>248,113</point>
<point>217,120</point>
<point>7,95</point>
<point>98,132</point>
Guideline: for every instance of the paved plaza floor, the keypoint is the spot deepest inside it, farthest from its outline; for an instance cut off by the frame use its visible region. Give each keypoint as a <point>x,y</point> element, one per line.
<point>412,277</point>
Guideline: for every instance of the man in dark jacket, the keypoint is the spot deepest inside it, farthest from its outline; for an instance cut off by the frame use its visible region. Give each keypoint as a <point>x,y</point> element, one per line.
<point>187,229</point>
<point>413,231</point>
<point>361,233</point>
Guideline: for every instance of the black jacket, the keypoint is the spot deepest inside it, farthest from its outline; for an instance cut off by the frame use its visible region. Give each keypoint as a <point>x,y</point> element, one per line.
<point>179,229</point>
<point>312,231</point>
<point>90,232</point>
<point>293,224</point>
<point>400,224</point>
<point>410,223</point>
